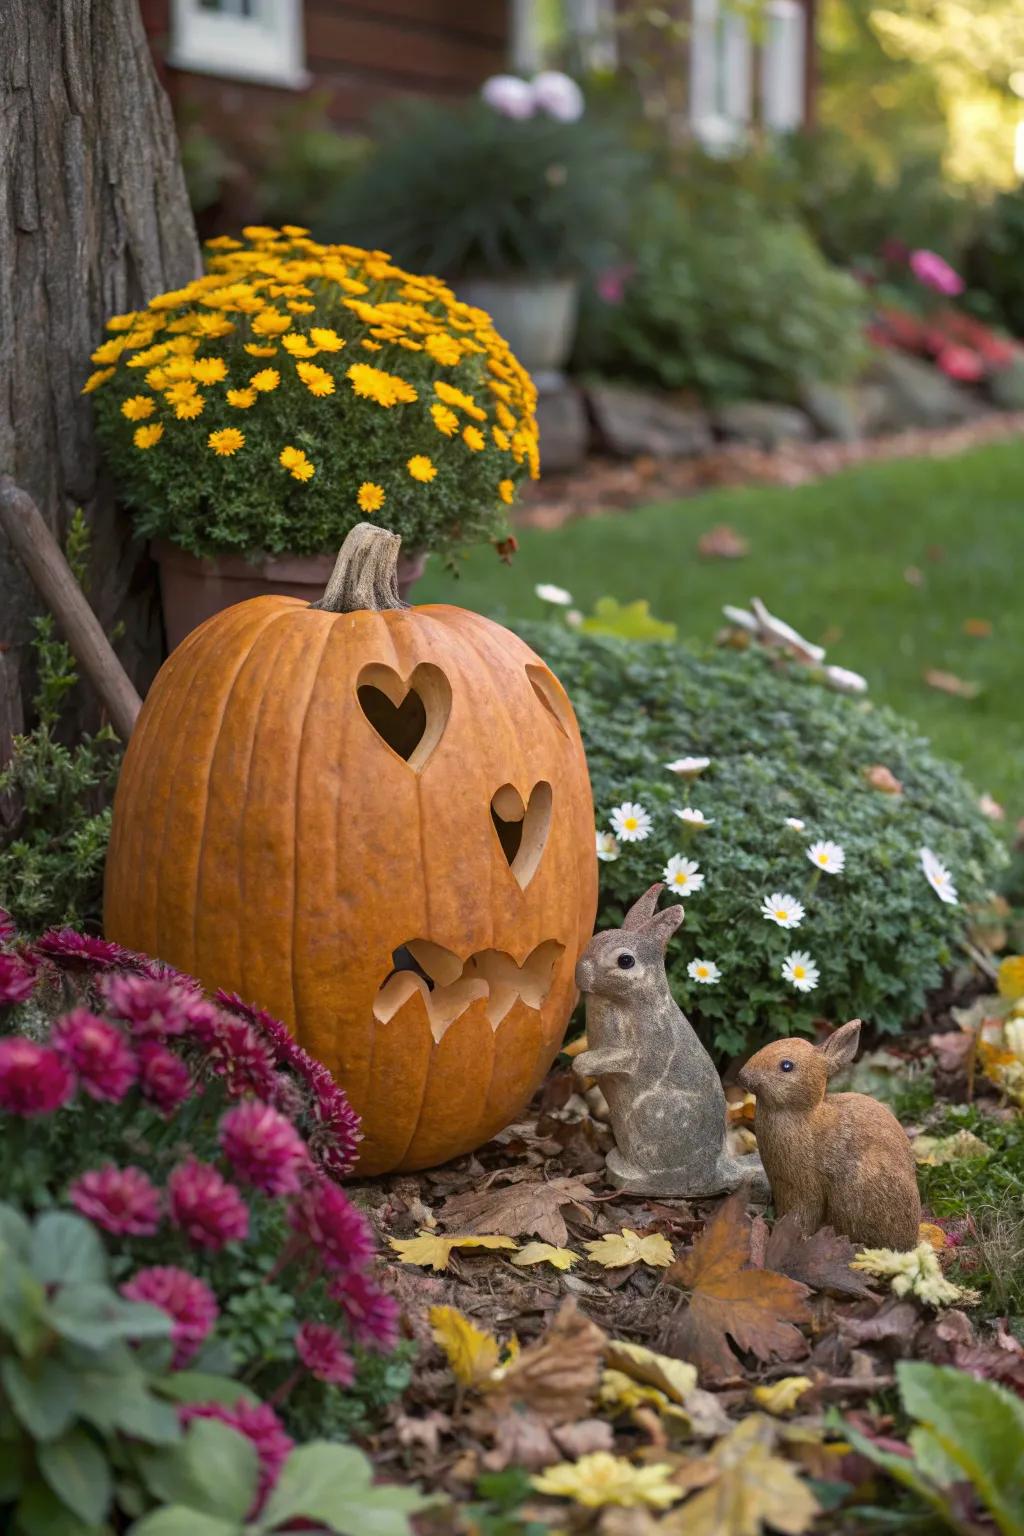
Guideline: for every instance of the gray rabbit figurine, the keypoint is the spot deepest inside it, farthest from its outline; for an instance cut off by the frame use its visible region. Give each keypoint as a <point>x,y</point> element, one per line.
<point>666,1103</point>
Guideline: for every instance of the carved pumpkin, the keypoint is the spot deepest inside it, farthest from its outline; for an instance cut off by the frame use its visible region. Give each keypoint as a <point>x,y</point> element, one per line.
<point>376,822</point>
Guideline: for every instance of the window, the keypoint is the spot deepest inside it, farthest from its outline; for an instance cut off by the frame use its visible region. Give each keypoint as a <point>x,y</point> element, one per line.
<point>782,66</point>
<point>240,39</point>
<point>721,75</point>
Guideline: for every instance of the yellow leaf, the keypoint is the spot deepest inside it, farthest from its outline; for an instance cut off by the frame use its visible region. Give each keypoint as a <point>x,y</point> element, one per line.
<point>431,1248</point>
<point>676,1378</point>
<point>928,1232</point>
<point>546,1253</point>
<point>743,1487</point>
<point>472,1353</point>
<point>626,1247</point>
<point>601,1479</point>
<point>783,1395</point>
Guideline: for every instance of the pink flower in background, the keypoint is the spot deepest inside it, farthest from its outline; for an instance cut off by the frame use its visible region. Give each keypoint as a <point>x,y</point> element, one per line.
<point>120,1200</point>
<point>33,1079</point>
<point>98,1052</point>
<point>341,1234</point>
<point>163,1077</point>
<point>191,1306</point>
<point>80,951</point>
<point>324,1355</point>
<point>558,95</point>
<point>243,1058</point>
<point>372,1314</point>
<point>961,363</point>
<point>153,1008</point>
<point>611,283</point>
<point>263,1148</point>
<point>509,96</point>
<point>935,273</point>
<point>260,1424</point>
<point>8,927</point>
<point>209,1210</point>
<point>17,979</point>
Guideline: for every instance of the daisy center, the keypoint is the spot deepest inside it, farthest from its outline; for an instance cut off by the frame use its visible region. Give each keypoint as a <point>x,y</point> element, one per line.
<point>782,913</point>
<point>630,823</point>
<point>799,972</point>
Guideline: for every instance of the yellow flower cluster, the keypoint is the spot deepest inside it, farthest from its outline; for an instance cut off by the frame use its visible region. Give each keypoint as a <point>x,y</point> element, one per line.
<point>310,314</point>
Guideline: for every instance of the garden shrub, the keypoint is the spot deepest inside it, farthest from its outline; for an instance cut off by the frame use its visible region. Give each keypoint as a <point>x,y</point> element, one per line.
<point>729,304</point>
<point>995,261</point>
<point>179,1153</point>
<point>781,745</point>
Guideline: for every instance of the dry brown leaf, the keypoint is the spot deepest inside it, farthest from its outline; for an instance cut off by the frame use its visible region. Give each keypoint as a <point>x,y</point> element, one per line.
<point>722,543</point>
<point>948,682</point>
<point>744,1486</point>
<point>557,1377</point>
<point>883,779</point>
<point>529,1206</point>
<point>978,629</point>
<point>757,1308</point>
<point>821,1261</point>
<point>517,1440</point>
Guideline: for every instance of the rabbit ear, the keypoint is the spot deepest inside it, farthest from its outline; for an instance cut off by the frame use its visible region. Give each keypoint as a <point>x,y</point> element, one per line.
<point>840,1049</point>
<point>664,924</point>
<point>642,911</point>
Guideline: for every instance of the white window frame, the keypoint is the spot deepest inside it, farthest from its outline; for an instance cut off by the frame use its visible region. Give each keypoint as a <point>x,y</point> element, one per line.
<point>721,76</point>
<point>266,48</point>
<point>783,55</point>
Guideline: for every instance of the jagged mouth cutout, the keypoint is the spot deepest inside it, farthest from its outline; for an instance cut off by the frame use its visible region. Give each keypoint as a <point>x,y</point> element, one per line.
<point>448,985</point>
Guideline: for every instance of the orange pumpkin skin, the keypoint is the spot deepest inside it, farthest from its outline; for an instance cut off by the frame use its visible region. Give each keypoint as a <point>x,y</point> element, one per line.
<point>268,840</point>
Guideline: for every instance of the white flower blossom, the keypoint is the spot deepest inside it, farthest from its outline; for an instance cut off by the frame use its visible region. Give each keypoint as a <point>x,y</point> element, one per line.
<point>509,96</point>
<point>682,875</point>
<point>630,822</point>
<point>938,877</point>
<point>704,971</point>
<point>795,823</point>
<point>548,593</point>
<point>607,847</point>
<point>783,909</point>
<point>689,767</point>
<point>827,856</point>
<point>558,95</point>
<point>693,817</point>
<point>800,970</point>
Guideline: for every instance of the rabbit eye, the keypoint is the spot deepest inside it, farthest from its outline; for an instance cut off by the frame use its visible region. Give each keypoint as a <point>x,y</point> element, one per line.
<point>785,1066</point>
<point>626,962</point>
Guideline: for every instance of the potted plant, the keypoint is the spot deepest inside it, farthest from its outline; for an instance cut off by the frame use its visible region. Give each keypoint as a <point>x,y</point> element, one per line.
<point>512,196</point>
<point>253,417</point>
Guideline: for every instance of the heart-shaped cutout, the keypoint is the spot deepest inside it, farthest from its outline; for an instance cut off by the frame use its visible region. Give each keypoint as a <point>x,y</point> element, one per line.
<point>522,829</point>
<point>409,717</point>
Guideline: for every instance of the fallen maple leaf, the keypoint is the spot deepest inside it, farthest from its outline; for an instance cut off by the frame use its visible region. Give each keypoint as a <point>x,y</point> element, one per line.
<point>473,1354</point>
<point>821,1261</point>
<point>722,543</point>
<point>544,1253</point>
<point>431,1248</point>
<point>529,1206</point>
<point>557,1377</point>
<point>883,779</point>
<point>948,682</point>
<point>783,1395</point>
<point>626,1247</point>
<point>743,1487</point>
<point>756,1307</point>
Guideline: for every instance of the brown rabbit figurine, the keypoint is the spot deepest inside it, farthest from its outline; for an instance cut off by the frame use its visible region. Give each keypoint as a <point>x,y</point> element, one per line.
<point>665,1101</point>
<point>841,1159</point>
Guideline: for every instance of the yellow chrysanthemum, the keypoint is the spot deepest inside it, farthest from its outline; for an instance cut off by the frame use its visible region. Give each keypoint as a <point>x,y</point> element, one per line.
<point>138,407</point>
<point>371,346</point>
<point>507,491</point>
<point>421,468</point>
<point>177,393</point>
<point>149,355</point>
<point>266,380</point>
<point>94,380</point>
<point>452,396</point>
<point>444,420</point>
<point>326,339</point>
<point>209,370</point>
<point>241,399</point>
<point>148,436</point>
<point>300,307</point>
<point>223,243</point>
<point>386,389</point>
<point>443,349</point>
<point>254,350</point>
<point>295,461</point>
<point>188,410</point>
<point>178,368</point>
<point>500,439</point>
<point>317,380</point>
<point>474,439</point>
<point>271,322</point>
<point>505,417</point>
<point>298,345</point>
<point>157,378</point>
<point>123,322</point>
<point>212,326</point>
<point>109,351</point>
<point>370,496</point>
<point>226,442</point>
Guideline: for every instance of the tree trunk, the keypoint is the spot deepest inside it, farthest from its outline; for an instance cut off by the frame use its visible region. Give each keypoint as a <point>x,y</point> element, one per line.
<point>94,220</point>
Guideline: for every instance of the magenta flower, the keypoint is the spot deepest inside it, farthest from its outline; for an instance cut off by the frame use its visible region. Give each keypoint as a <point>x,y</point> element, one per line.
<point>98,1052</point>
<point>324,1215</point>
<point>324,1355</point>
<point>932,272</point>
<point>8,927</point>
<point>209,1210</point>
<point>263,1148</point>
<point>372,1314</point>
<point>961,363</point>
<point>80,951</point>
<point>611,283</point>
<point>17,979</point>
<point>153,1008</point>
<point>260,1424</point>
<point>188,1302</point>
<point>33,1079</point>
<point>163,1077</point>
<point>120,1200</point>
<point>242,1058</point>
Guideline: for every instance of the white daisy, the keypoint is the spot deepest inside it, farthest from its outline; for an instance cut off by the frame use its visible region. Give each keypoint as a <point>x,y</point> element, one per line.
<point>694,817</point>
<point>630,822</point>
<point>688,767</point>
<point>551,594</point>
<point>783,909</point>
<point>681,875</point>
<point>799,969</point>
<point>827,856</point>
<point>796,824</point>
<point>704,971</point>
<point>607,847</point>
<point>938,877</point>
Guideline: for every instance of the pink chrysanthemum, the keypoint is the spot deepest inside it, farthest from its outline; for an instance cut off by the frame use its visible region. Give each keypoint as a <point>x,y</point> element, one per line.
<point>33,1079</point>
<point>260,1424</point>
<point>209,1210</point>
<point>263,1148</point>
<point>372,1314</point>
<point>189,1303</point>
<point>240,1056</point>
<point>80,951</point>
<point>163,1077</point>
<point>8,927</point>
<point>17,979</point>
<point>98,1053</point>
<point>324,1355</point>
<point>120,1200</point>
<point>341,1235</point>
<point>154,1009</point>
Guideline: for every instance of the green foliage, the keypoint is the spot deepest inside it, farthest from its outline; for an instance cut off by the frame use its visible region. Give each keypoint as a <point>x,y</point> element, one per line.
<point>306,165</point>
<point>52,852</point>
<point>726,302</point>
<point>965,1431</point>
<point>782,745</point>
<point>465,191</point>
<point>995,260</point>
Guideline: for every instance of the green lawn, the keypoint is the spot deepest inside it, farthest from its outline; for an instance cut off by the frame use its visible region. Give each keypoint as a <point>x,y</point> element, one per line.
<point>830,558</point>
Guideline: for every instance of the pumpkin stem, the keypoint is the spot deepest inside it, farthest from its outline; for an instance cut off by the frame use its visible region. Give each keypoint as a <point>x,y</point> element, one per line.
<point>365,574</point>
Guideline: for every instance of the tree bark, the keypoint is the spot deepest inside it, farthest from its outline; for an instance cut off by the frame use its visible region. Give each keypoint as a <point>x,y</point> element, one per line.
<point>94,220</point>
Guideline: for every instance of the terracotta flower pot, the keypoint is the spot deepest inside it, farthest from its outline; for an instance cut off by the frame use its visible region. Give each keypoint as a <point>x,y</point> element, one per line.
<point>193,590</point>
